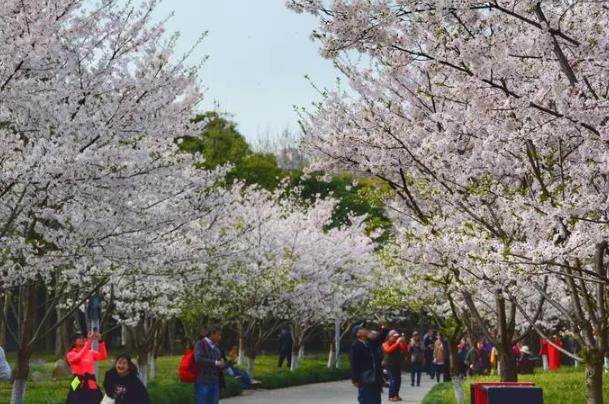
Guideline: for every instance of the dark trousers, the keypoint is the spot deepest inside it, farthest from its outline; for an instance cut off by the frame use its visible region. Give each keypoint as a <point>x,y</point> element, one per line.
<point>285,355</point>
<point>415,372</point>
<point>395,381</point>
<point>369,395</point>
<point>428,362</point>
<point>438,370</point>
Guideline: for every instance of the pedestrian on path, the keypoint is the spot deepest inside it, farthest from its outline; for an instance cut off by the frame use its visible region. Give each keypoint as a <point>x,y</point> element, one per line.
<point>208,358</point>
<point>477,360</point>
<point>122,383</point>
<point>428,344</point>
<point>416,356</point>
<point>366,371</point>
<point>82,358</point>
<point>394,349</point>
<point>438,358</point>
<point>285,347</point>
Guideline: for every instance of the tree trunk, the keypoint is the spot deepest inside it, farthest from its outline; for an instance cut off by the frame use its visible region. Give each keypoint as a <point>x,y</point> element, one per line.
<point>331,356</point>
<point>294,364</point>
<point>142,362</point>
<point>171,336</point>
<point>241,357</point>
<point>337,335</point>
<point>3,313</point>
<point>62,334</point>
<point>18,393</point>
<point>22,371</point>
<point>594,379</point>
<point>250,365</point>
<point>507,364</point>
<point>124,335</point>
<point>153,367</point>
<point>454,372</point>
<point>26,316</point>
<point>301,352</point>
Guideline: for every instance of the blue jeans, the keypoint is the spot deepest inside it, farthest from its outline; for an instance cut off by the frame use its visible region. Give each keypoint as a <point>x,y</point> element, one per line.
<point>207,393</point>
<point>395,381</point>
<point>245,378</point>
<point>369,395</point>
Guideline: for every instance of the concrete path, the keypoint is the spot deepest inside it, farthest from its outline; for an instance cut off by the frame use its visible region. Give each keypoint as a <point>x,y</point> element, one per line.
<point>328,393</point>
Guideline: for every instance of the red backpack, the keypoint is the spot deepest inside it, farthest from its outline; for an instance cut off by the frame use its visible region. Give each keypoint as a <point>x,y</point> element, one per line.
<point>187,370</point>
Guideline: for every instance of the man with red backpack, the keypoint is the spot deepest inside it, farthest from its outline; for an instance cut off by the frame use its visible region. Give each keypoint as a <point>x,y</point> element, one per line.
<point>209,363</point>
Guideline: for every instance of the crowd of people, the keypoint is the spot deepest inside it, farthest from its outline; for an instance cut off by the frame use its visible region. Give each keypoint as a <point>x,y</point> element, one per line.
<point>378,359</point>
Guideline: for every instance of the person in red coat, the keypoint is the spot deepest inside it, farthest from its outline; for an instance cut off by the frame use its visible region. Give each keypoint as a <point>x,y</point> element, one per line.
<point>554,354</point>
<point>81,359</point>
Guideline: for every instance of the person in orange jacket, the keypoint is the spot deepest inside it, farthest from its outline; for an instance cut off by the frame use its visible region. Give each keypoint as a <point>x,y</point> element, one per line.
<point>82,358</point>
<point>394,349</point>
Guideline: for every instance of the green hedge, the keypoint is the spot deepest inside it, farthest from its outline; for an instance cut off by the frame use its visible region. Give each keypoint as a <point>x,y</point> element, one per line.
<point>286,378</point>
<point>183,393</point>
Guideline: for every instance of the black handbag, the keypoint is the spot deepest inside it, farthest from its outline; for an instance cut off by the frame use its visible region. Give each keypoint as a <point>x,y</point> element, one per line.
<point>368,377</point>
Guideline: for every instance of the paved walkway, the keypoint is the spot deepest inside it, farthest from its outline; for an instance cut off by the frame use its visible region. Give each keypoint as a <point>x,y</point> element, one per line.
<point>327,393</point>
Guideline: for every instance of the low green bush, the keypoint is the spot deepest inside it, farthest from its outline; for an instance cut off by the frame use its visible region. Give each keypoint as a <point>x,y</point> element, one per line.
<point>183,393</point>
<point>286,378</point>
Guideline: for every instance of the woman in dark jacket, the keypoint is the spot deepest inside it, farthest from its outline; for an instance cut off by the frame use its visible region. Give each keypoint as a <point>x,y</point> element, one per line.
<point>123,384</point>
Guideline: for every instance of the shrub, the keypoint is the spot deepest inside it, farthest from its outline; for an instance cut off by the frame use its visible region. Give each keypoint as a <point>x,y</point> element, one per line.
<point>183,393</point>
<point>286,378</point>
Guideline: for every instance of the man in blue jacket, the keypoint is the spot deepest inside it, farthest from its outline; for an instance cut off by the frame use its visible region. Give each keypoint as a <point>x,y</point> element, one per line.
<point>208,358</point>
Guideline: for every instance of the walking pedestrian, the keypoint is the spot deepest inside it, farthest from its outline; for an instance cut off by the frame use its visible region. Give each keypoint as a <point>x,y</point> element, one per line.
<point>82,358</point>
<point>477,360</point>
<point>208,358</point>
<point>122,383</point>
<point>462,350</point>
<point>417,357</point>
<point>438,358</point>
<point>428,344</point>
<point>366,372</point>
<point>285,347</point>
<point>394,349</point>
<point>5,368</point>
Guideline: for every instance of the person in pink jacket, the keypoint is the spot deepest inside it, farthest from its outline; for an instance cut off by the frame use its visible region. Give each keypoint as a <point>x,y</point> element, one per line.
<point>82,358</point>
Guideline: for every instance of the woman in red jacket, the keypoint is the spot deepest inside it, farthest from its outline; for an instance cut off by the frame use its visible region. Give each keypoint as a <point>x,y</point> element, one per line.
<point>394,349</point>
<point>82,358</point>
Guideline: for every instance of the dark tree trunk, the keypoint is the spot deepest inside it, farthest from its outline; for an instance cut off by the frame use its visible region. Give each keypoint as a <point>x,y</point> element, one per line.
<point>594,378</point>
<point>507,364</point>
<point>26,317</point>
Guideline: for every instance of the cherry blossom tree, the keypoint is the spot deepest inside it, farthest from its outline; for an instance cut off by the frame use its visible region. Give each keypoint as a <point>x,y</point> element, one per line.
<point>90,105</point>
<point>488,120</point>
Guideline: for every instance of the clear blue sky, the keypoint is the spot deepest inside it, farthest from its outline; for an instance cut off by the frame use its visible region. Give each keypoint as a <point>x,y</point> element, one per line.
<point>259,52</point>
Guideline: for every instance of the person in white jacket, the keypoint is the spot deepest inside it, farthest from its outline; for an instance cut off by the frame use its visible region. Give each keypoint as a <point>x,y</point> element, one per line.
<point>5,369</point>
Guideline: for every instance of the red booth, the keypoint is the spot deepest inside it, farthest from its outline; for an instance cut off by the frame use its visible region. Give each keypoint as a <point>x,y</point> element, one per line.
<point>480,396</point>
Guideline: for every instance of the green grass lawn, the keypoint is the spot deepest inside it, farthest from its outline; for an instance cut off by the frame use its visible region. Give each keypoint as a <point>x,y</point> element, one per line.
<point>167,389</point>
<point>563,387</point>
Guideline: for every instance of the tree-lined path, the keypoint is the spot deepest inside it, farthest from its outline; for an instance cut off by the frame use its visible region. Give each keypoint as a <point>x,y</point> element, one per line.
<point>326,393</point>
